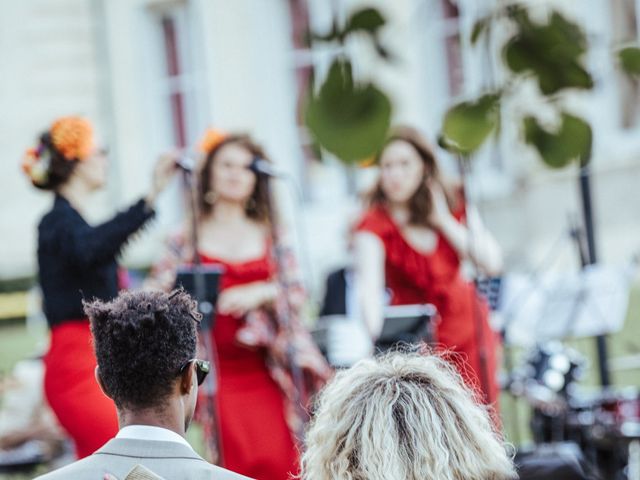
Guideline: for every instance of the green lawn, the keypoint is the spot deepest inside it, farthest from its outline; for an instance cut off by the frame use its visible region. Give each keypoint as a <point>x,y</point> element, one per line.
<point>16,343</point>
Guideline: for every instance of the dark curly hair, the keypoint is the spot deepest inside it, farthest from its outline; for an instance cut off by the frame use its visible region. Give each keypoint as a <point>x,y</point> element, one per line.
<point>60,168</point>
<point>141,341</point>
<point>257,208</point>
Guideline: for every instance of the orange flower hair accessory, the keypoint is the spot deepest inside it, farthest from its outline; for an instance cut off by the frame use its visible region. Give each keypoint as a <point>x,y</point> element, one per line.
<point>73,137</point>
<point>211,139</point>
<point>368,162</point>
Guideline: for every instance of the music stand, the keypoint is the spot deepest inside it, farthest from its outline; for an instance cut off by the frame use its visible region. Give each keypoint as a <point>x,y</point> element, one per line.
<point>571,305</point>
<point>188,277</point>
<point>406,324</point>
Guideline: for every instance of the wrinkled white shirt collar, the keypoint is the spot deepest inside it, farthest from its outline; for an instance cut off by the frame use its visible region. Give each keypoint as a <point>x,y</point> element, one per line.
<point>147,432</point>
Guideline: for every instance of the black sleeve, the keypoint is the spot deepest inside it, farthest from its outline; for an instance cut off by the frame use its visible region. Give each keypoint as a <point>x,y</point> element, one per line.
<point>85,246</point>
<point>335,302</point>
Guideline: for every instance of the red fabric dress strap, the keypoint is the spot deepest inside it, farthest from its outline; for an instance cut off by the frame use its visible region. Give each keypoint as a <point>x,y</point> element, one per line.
<point>404,265</point>
<point>376,221</point>
<point>459,211</point>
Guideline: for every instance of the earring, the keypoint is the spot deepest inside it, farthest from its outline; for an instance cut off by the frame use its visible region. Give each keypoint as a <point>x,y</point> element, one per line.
<point>251,204</point>
<point>210,197</point>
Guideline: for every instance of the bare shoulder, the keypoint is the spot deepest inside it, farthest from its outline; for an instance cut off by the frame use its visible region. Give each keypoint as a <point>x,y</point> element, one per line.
<point>368,242</point>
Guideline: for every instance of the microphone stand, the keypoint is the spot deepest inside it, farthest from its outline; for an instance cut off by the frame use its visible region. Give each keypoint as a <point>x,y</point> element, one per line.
<point>479,324</point>
<point>207,309</point>
<point>283,304</point>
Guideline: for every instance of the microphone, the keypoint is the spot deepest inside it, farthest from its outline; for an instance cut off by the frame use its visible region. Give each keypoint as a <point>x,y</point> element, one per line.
<point>260,166</point>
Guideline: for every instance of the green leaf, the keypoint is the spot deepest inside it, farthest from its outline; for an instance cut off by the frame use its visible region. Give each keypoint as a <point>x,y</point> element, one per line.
<point>383,51</point>
<point>572,141</point>
<point>349,120</point>
<point>369,20</point>
<point>467,125</point>
<point>551,52</point>
<point>517,55</point>
<point>629,58</point>
<point>335,34</point>
<point>569,35</point>
<point>519,14</point>
<point>479,28</point>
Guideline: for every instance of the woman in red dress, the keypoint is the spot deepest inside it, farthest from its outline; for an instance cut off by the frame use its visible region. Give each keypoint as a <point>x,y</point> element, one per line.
<point>254,398</point>
<point>256,439</point>
<point>412,240</point>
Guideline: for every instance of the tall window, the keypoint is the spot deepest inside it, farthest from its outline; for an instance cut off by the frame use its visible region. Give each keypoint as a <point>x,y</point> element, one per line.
<point>304,71</point>
<point>310,60</point>
<point>176,87</point>
<point>455,71</point>
<point>624,28</point>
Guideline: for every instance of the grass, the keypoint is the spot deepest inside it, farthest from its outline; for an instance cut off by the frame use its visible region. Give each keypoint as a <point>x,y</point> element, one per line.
<point>16,343</point>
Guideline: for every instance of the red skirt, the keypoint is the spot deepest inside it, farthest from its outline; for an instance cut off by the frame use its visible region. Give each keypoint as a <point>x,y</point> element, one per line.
<point>72,391</point>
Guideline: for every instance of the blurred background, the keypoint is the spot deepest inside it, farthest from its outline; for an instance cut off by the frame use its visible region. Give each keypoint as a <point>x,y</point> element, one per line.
<point>153,74</point>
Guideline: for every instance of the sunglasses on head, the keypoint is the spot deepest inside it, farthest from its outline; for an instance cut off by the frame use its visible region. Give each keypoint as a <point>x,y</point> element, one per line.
<point>203,368</point>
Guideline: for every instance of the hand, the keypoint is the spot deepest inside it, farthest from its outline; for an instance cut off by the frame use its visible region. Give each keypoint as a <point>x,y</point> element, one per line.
<point>164,170</point>
<point>440,212</point>
<point>238,301</point>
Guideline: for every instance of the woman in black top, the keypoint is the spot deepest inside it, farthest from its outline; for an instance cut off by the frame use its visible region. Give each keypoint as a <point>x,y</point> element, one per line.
<point>78,261</point>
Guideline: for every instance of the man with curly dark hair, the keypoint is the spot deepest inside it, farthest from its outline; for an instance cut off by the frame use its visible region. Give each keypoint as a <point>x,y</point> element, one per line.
<point>145,344</point>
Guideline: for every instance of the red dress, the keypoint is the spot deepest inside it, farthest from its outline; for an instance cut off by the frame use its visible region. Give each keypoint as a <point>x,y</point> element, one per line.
<point>256,440</point>
<point>414,277</point>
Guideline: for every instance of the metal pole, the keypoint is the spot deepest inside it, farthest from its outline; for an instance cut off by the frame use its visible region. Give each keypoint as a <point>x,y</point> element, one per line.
<point>484,375</point>
<point>211,386</point>
<point>284,309</point>
<point>587,210</point>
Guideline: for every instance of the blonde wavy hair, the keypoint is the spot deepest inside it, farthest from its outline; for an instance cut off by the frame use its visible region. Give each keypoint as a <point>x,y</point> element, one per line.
<point>402,416</point>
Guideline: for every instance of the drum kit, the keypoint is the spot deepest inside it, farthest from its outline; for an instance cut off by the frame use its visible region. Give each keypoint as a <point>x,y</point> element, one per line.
<point>605,423</point>
<point>550,309</point>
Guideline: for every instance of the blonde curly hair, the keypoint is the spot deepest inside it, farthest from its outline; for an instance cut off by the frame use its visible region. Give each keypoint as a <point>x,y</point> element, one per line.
<point>402,416</point>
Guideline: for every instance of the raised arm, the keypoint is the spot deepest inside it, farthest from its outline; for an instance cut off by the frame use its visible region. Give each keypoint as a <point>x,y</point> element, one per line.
<point>86,246</point>
<point>471,240</point>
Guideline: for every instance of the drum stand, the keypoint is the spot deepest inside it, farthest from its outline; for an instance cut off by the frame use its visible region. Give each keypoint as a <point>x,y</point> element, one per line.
<point>633,466</point>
